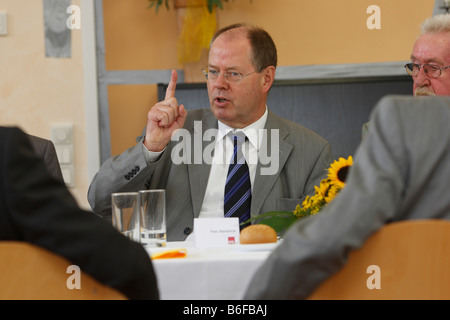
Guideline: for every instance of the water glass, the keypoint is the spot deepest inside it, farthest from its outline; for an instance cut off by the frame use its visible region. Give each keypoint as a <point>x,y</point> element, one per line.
<point>153,217</point>
<point>125,214</point>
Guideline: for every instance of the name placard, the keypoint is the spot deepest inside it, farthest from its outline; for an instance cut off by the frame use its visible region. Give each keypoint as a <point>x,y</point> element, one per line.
<point>216,232</point>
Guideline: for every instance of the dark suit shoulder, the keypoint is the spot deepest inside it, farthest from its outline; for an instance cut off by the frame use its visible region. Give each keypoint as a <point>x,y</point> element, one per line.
<point>45,149</point>
<point>13,135</point>
<point>40,145</point>
<point>10,130</point>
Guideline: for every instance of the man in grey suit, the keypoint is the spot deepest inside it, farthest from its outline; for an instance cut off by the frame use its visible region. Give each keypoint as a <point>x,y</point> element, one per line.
<point>400,172</point>
<point>181,151</point>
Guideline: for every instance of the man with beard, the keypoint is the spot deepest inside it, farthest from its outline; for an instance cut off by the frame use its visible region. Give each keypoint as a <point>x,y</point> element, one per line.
<point>430,60</point>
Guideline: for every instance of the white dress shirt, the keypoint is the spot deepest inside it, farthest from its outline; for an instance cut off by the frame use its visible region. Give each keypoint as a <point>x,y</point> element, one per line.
<point>212,206</point>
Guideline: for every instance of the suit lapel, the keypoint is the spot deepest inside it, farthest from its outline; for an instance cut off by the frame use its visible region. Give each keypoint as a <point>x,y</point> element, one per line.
<point>264,183</point>
<point>199,173</point>
<point>198,170</point>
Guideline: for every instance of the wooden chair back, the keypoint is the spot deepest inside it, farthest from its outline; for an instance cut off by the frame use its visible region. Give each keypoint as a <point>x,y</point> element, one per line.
<point>402,261</point>
<point>29,272</point>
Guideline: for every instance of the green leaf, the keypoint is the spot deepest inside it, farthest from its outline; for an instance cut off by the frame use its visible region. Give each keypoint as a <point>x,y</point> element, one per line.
<point>219,4</point>
<point>212,3</point>
<point>158,3</point>
<point>269,214</point>
<point>278,223</point>
<point>279,220</point>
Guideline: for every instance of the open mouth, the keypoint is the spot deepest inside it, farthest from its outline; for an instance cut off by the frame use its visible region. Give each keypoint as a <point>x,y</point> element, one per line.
<point>221,101</point>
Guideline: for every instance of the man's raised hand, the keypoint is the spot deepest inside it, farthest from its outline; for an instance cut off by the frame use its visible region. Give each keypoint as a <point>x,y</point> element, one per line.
<point>164,118</point>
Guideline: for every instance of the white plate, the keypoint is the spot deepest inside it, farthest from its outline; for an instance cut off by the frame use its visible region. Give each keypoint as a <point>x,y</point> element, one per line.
<point>257,247</point>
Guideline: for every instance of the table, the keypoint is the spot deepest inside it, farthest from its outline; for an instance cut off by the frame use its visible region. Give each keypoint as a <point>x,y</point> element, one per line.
<point>208,273</point>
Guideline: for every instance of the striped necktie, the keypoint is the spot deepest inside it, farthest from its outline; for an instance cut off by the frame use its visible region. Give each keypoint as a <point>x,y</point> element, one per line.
<point>238,189</point>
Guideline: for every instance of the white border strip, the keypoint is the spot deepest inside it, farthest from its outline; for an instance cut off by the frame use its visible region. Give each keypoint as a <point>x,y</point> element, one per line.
<point>90,87</point>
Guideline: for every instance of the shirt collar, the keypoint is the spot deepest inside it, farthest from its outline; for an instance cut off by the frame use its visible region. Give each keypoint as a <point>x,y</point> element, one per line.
<point>251,131</point>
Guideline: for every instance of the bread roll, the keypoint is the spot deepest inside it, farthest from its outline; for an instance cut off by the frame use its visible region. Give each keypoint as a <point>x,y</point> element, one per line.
<point>258,233</point>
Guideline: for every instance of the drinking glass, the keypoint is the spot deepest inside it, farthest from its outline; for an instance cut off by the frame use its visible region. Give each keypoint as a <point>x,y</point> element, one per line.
<point>125,214</point>
<point>153,217</point>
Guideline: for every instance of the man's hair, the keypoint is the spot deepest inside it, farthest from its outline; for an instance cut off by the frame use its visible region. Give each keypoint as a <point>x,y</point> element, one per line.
<point>437,24</point>
<point>264,51</point>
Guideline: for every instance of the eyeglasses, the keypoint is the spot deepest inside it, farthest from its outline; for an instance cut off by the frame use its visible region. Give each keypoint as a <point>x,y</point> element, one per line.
<point>430,70</point>
<point>232,76</point>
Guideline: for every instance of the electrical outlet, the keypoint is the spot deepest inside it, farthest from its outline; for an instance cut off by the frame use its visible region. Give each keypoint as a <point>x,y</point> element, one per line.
<point>3,24</point>
<point>62,137</point>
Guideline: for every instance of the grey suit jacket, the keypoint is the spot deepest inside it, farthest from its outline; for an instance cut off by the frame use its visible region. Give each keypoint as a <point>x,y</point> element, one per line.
<point>46,151</point>
<point>303,159</point>
<point>400,172</point>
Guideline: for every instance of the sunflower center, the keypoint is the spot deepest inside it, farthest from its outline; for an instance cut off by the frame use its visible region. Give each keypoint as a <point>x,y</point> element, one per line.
<point>342,173</point>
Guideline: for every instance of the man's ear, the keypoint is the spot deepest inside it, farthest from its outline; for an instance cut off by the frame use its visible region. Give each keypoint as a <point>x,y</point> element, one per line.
<point>269,78</point>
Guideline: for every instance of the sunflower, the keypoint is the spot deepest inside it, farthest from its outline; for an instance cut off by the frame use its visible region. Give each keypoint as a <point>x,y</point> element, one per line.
<point>310,206</point>
<point>332,192</point>
<point>337,173</point>
<point>324,193</point>
<point>322,189</point>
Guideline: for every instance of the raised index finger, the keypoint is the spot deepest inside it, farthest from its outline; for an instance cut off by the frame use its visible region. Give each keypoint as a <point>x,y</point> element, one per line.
<point>170,91</point>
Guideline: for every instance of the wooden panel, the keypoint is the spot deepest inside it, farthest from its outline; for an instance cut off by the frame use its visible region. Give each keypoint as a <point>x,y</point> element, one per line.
<point>128,109</point>
<point>137,38</point>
